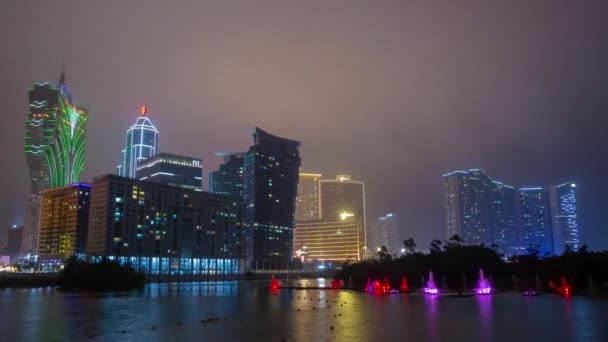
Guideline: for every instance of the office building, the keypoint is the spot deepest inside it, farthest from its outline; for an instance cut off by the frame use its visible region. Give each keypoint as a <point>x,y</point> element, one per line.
<point>64,222</point>
<point>141,144</point>
<point>228,180</point>
<point>564,217</point>
<point>162,229</point>
<point>384,231</point>
<point>535,219</point>
<point>171,169</point>
<point>324,241</point>
<point>31,226</point>
<point>309,196</point>
<point>270,186</point>
<point>55,137</point>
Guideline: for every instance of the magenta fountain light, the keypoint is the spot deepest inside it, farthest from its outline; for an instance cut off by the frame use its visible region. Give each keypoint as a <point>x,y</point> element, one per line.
<point>483,285</point>
<point>431,288</point>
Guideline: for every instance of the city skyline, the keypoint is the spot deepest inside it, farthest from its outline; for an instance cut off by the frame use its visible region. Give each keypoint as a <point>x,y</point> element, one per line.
<point>569,106</point>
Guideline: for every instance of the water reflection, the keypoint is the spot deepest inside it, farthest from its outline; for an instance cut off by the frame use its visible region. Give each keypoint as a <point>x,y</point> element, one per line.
<point>232,311</point>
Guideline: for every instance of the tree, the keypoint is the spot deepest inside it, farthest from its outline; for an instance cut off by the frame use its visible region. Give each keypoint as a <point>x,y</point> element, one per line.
<point>533,250</point>
<point>410,245</point>
<point>454,241</point>
<point>436,246</point>
<point>383,254</point>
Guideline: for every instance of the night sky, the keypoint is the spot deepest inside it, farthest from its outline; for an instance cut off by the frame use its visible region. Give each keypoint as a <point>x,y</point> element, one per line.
<point>395,93</point>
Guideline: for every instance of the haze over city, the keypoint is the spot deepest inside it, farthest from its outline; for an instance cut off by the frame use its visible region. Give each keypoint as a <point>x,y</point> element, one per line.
<point>395,95</point>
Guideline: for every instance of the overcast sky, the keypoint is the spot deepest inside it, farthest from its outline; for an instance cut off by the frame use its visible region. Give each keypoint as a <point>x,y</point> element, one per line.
<point>394,93</point>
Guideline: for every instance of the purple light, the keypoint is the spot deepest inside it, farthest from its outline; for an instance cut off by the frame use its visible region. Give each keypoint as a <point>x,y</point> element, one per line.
<point>483,285</point>
<point>431,291</point>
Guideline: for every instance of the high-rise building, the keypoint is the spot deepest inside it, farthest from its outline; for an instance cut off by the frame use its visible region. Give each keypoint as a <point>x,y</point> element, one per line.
<point>31,226</point>
<point>55,138</point>
<point>270,182</point>
<point>13,243</point>
<point>467,205</point>
<point>344,196</point>
<point>171,169</point>
<point>504,229</point>
<point>163,229</point>
<point>64,223</point>
<point>384,231</point>
<point>564,217</point>
<point>141,144</point>
<point>320,240</point>
<point>228,180</point>
<point>535,219</point>
<point>309,196</point>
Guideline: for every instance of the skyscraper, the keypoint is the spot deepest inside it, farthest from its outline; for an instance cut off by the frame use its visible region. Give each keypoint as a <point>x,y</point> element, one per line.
<point>31,225</point>
<point>503,218</point>
<point>467,205</point>
<point>384,231</point>
<point>344,196</point>
<point>270,186</point>
<point>64,223</point>
<point>141,144</point>
<point>171,169</point>
<point>564,217</point>
<point>309,195</point>
<point>535,219</point>
<point>228,180</point>
<point>55,138</point>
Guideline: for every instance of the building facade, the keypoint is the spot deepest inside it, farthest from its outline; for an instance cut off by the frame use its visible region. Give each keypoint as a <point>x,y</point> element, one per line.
<point>55,138</point>
<point>270,186</point>
<point>504,227</point>
<point>467,206</point>
<point>171,169</point>
<point>228,180</point>
<point>141,144</point>
<point>63,223</point>
<point>309,197</point>
<point>384,231</point>
<point>324,241</point>
<point>31,226</point>
<point>564,217</point>
<point>535,219</point>
<point>163,229</point>
<point>344,197</point>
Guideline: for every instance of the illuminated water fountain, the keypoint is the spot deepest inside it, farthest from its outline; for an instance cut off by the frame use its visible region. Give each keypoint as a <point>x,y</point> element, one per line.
<point>483,285</point>
<point>404,287</point>
<point>430,287</point>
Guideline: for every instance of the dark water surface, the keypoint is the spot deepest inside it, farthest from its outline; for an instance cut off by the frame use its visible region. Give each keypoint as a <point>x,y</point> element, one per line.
<point>247,311</point>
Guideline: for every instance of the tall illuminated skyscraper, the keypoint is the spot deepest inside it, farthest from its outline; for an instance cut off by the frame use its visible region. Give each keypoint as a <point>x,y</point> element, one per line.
<point>504,231</point>
<point>141,144</point>
<point>344,197</point>
<point>535,218</point>
<point>309,196</point>
<point>270,186</point>
<point>55,138</point>
<point>564,217</point>
<point>384,231</point>
<point>467,205</point>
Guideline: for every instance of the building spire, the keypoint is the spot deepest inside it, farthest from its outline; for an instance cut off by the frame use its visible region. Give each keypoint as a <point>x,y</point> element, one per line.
<point>63,86</point>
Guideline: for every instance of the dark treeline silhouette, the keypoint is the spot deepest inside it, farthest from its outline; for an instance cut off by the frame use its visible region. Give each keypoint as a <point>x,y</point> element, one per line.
<point>456,267</point>
<point>103,275</point>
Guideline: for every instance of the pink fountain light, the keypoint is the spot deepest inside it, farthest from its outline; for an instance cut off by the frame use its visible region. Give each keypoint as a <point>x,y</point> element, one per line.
<point>431,288</point>
<point>483,285</point>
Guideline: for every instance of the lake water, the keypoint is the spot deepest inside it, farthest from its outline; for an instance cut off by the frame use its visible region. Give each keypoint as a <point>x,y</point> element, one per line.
<point>247,311</point>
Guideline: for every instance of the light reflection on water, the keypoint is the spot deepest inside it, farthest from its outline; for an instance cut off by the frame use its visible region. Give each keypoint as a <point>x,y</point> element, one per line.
<point>247,311</point>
